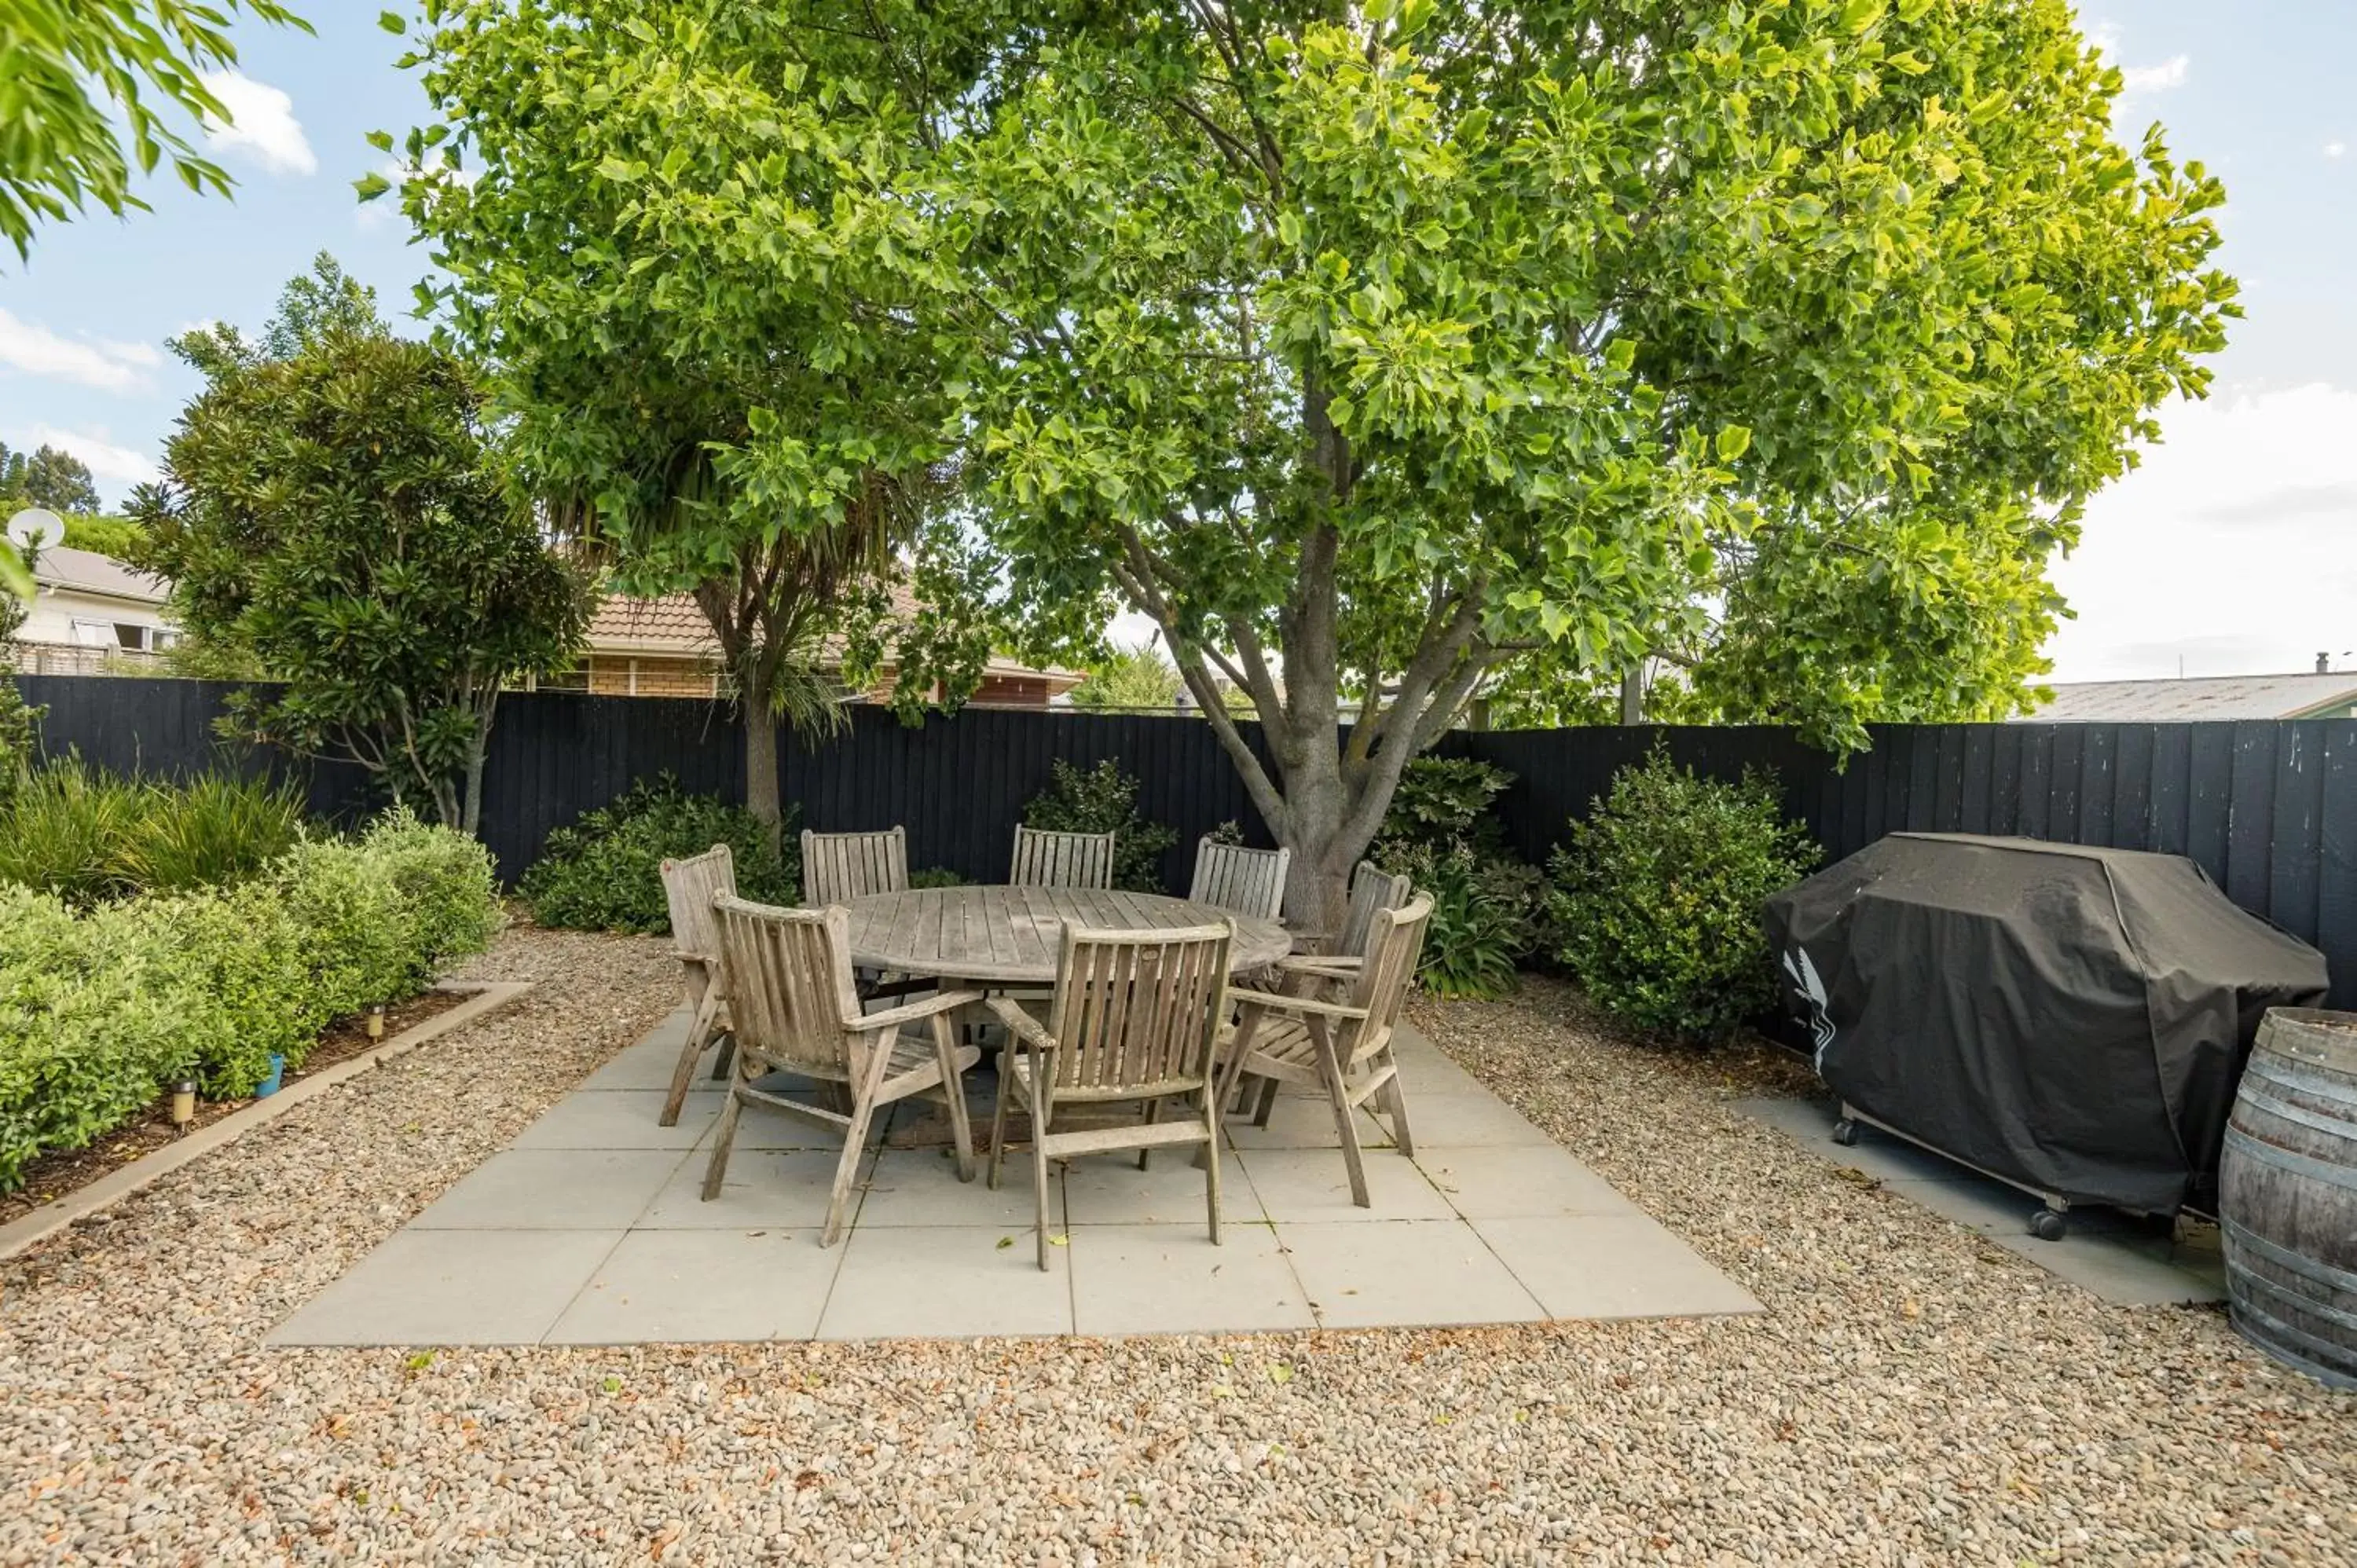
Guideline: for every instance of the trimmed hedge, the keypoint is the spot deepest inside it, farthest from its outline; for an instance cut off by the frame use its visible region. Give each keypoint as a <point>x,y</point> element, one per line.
<point>99,1011</point>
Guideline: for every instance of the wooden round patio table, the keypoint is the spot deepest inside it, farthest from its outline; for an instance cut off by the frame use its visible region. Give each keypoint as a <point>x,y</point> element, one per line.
<point>1000,936</point>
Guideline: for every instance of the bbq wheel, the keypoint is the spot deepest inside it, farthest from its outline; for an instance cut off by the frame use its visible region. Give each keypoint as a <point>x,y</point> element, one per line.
<point>2048,1226</point>
<point>1845,1132</point>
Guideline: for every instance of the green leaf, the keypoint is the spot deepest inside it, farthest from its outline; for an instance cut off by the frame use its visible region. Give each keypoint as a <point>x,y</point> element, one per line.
<point>1620,353</point>
<point>1734,441</point>
<point>392,22</point>
<point>372,186</point>
<point>1858,15</point>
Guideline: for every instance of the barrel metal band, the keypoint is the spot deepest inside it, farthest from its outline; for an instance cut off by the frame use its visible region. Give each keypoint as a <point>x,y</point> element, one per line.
<point>2341,1127</point>
<point>2268,1154</point>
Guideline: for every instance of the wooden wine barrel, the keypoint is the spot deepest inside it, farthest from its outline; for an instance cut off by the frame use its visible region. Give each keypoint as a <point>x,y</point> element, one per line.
<point>2287,1193</point>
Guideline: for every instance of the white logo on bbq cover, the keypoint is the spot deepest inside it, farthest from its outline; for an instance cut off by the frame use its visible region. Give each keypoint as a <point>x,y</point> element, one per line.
<point>1803,975</point>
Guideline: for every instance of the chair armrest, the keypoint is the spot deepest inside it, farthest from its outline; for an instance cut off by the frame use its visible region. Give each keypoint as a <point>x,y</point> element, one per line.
<point>913,1012</point>
<point>702,960</point>
<point>1344,967</point>
<point>1022,1025</point>
<point>1277,1001</point>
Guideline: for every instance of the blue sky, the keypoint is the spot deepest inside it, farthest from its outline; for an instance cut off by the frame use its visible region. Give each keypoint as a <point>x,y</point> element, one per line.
<point>2227,553</point>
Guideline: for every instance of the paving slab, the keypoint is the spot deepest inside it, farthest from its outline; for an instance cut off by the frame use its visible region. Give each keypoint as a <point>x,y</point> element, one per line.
<point>1611,1266</point>
<point>1171,1279</point>
<point>1491,1181</point>
<point>592,1230</point>
<point>703,1287</point>
<point>453,1287</point>
<point>1314,1185</point>
<point>554,1189</point>
<point>2120,1258</point>
<point>1387,1272</point>
<point>929,1281</point>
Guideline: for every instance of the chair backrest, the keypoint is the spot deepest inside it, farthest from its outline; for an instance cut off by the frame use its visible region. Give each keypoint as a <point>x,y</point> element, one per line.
<point>1249,881</point>
<point>839,866</point>
<point>1371,893</point>
<point>790,993</point>
<point>1393,953</point>
<point>689,886</point>
<point>1138,1012</point>
<point>1044,858</point>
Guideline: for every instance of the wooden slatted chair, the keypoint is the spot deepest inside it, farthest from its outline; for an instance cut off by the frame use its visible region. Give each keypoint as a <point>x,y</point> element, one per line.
<point>689,886</point>
<point>796,1010</point>
<point>1136,1019</point>
<point>1328,970</point>
<point>1345,1045</point>
<point>839,867</point>
<point>1249,881</point>
<point>1044,858</point>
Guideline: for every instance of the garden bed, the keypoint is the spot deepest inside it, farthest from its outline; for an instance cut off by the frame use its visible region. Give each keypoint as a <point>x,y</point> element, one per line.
<point>62,1172</point>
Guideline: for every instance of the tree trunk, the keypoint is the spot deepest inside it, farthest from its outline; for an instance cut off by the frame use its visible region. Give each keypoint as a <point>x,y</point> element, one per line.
<point>470,809</point>
<point>761,795</point>
<point>1632,693</point>
<point>1316,827</point>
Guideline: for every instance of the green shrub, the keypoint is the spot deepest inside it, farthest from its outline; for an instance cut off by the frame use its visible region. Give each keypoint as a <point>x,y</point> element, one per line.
<point>446,883</point>
<point>605,872</point>
<point>235,961</point>
<point>935,877</point>
<point>211,832</point>
<point>353,937</point>
<point>86,1035</point>
<point>1657,897</point>
<point>65,830</point>
<point>1487,904</point>
<point>1104,801</point>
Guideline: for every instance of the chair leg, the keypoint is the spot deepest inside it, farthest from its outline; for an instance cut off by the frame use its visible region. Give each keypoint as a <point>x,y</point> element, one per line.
<point>722,1136</point>
<point>1153,1113</point>
<point>723,1057</point>
<point>698,1027</point>
<point>1040,1177</point>
<point>953,1091</point>
<point>1396,1100</point>
<point>1212,1148</point>
<point>1268,1090</point>
<point>998,1119</point>
<point>855,1146</point>
<point>1346,1121</point>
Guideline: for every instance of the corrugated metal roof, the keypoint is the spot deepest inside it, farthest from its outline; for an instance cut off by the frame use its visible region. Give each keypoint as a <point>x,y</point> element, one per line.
<point>2199,698</point>
<point>87,572</point>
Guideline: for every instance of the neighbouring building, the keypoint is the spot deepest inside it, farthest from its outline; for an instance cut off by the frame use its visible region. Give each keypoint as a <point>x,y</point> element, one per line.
<point>90,613</point>
<point>665,648</point>
<point>2324,695</point>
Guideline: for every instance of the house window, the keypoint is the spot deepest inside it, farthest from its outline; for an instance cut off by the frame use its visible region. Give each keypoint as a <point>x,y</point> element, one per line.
<point>573,680</point>
<point>128,636</point>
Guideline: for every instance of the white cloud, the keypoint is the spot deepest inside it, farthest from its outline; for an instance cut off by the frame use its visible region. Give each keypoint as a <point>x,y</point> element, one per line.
<point>2160,78</point>
<point>114,467</point>
<point>2227,549</point>
<point>33,349</point>
<point>261,125</point>
<point>2336,149</point>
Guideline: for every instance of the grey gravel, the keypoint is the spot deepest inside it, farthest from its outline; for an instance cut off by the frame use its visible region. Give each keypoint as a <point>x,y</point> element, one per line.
<point>1911,1395</point>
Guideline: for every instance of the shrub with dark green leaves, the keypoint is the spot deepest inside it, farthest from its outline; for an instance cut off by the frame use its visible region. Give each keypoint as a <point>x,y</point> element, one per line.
<point>1103,800</point>
<point>65,831</point>
<point>605,872</point>
<point>935,877</point>
<point>1487,908</point>
<point>1657,897</point>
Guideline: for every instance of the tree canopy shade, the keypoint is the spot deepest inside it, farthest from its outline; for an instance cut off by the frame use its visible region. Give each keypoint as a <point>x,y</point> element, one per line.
<point>1374,352</point>
<point>85,76</point>
<point>712,317</point>
<point>339,515</point>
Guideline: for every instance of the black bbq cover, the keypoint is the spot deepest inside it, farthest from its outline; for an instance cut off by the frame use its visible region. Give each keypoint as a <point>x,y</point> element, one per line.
<point>2069,1018</point>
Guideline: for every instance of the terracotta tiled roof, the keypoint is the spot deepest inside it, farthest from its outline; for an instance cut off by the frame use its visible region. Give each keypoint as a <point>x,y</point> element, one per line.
<point>673,625</point>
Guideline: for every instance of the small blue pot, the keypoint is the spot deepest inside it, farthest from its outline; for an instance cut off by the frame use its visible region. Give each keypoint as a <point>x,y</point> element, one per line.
<point>270,1085</point>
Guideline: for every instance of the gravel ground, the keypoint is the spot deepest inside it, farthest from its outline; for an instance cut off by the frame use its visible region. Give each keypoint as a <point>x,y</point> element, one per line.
<point>1911,1395</point>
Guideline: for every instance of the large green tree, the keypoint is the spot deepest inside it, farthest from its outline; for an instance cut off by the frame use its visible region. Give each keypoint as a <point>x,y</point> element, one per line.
<point>340,516</point>
<point>89,88</point>
<point>47,477</point>
<point>1373,352</point>
<point>678,236</point>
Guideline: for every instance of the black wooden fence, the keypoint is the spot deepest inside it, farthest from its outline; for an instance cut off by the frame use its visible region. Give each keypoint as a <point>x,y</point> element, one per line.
<point>2268,809</point>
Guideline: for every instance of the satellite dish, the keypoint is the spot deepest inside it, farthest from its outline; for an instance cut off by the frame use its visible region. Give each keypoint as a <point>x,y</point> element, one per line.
<point>35,529</point>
